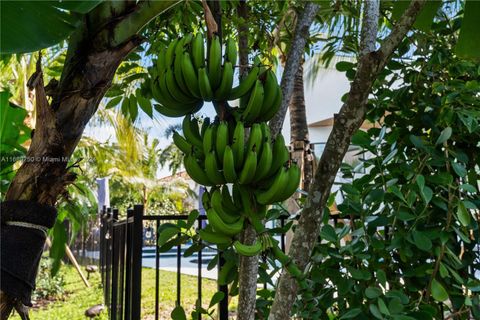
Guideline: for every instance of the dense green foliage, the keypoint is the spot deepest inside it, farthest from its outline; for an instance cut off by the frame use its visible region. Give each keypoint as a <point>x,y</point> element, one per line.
<point>404,245</point>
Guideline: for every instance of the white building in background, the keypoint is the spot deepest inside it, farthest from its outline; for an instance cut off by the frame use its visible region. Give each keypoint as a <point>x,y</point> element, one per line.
<point>322,100</point>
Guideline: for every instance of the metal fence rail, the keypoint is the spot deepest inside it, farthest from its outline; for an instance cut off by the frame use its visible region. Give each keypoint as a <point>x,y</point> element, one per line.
<point>121,263</point>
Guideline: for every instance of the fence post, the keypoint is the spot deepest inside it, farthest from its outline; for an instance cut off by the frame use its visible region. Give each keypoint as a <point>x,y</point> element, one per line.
<point>116,246</point>
<point>137,244</point>
<point>223,304</point>
<point>128,266</point>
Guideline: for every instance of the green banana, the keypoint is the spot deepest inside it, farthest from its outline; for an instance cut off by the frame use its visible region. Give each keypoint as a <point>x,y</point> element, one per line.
<point>177,67</point>
<point>209,139</point>
<point>294,270</point>
<point>248,171</point>
<point>214,237</point>
<point>206,200</point>
<point>220,226</point>
<point>225,273</point>
<point>212,169</point>
<point>255,139</point>
<point>245,85</point>
<point>205,125</point>
<point>160,63</point>
<point>264,163</point>
<point>254,106</point>
<point>221,140</point>
<point>169,54</point>
<point>227,200</point>
<point>225,215</point>
<point>190,76</point>
<point>272,110</point>
<point>269,196</point>
<point>198,51</point>
<point>266,135</point>
<point>214,62</point>
<point>191,131</point>
<point>248,250</point>
<point>174,89</point>
<point>238,145</point>
<point>293,180</point>
<point>270,85</point>
<point>181,143</point>
<point>237,196</point>
<point>226,84</point>
<point>204,85</point>
<point>231,51</point>
<point>280,255</point>
<point>195,171</point>
<point>162,95</point>
<point>280,155</point>
<point>175,113</point>
<point>229,165</point>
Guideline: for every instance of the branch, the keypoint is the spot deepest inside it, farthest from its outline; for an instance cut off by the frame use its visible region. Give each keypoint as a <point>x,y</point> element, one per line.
<point>346,123</point>
<point>294,58</point>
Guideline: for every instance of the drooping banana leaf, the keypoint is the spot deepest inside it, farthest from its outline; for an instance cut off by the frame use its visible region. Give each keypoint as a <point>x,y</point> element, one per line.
<point>27,26</point>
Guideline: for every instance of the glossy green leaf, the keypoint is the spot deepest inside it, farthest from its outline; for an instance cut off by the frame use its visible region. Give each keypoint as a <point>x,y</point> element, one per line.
<point>113,102</point>
<point>375,311</point>
<point>420,181</point>
<point>166,231</point>
<point>425,17</point>
<point>422,241</point>
<point>27,26</point>
<point>351,314</point>
<point>146,105</point>
<point>132,107</point>
<point>381,277</point>
<point>216,298</point>
<point>444,135</point>
<point>178,313</point>
<point>328,233</point>
<point>468,45</point>
<point>343,66</point>
<point>373,292</point>
<point>57,250</point>
<point>438,291</point>
<point>463,215</point>
<point>459,169</point>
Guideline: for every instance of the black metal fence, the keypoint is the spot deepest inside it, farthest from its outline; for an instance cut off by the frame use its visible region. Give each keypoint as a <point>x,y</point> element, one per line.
<point>121,253</point>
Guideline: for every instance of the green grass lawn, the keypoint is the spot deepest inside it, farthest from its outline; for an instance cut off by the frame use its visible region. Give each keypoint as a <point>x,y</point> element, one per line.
<point>79,298</point>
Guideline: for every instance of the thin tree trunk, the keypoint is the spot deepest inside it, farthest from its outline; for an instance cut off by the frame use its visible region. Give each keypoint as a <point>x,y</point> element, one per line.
<point>346,122</point>
<point>299,137</point>
<point>248,268</point>
<point>95,51</point>
<point>294,60</point>
<point>242,11</point>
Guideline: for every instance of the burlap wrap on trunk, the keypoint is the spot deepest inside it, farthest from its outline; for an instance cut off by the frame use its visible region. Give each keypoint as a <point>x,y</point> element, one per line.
<point>22,246</point>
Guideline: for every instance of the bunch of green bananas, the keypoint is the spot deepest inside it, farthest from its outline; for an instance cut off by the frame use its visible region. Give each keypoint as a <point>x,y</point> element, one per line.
<point>259,169</point>
<point>260,95</point>
<point>219,154</point>
<point>183,78</point>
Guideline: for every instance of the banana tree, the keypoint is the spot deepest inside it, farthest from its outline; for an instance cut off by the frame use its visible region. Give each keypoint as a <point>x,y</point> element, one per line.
<point>99,35</point>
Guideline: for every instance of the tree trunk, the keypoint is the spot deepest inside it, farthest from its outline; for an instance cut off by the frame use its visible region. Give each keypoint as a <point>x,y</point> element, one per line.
<point>95,51</point>
<point>248,268</point>
<point>247,282</point>
<point>299,138</point>
<point>293,62</point>
<point>346,122</point>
